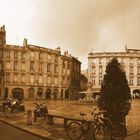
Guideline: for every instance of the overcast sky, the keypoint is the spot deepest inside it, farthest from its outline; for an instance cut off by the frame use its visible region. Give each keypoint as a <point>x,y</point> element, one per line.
<point>78,26</point>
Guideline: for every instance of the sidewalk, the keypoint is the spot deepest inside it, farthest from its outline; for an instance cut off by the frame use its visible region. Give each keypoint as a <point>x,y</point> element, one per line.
<point>40,128</point>
<point>56,131</point>
<point>50,132</point>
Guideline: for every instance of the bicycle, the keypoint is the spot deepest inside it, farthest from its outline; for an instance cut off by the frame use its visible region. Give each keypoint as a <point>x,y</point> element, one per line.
<point>75,130</point>
<point>119,131</point>
<point>102,127</point>
<point>105,129</point>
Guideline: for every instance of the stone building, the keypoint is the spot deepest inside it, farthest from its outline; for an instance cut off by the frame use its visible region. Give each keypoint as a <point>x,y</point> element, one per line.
<point>130,60</point>
<point>31,71</point>
<point>83,83</point>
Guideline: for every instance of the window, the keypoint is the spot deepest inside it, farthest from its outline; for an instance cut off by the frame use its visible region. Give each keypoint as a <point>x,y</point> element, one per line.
<point>131,81</point>
<point>68,65</point>
<point>100,61</point>
<point>49,57</point>
<point>0,66</point>
<point>68,72</point>
<point>138,81</point>
<point>63,71</point>
<point>138,70</point>
<point>100,80</point>
<point>100,70</point>
<point>23,67</point>
<point>93,81</point>
<point>40,66</point>
<point>48,80</point>
<point>55,69</point>
<point>138,61</point>
<point>8,78</point>
<point>93,70</point>
<point>56,59</point>
<point>49,68</point>
<point>1,54</point>
<point>32,55</point>
<point>40,80</point>
<point>32,79</point>
<point>131,70</point>
<point>8,65</point>
<point>94,61</point>
<point>55,81</point>
<point>22,56</point>
<point>15,55</point>
<point>131,60</point>
<point>15,78</point>
<point>40,56</point>
<point>1,42</point>
<point>31,65</point>
<point>23,78</point>
<point>63,64</point>
<point>15,66</point>
<point>8,54</point>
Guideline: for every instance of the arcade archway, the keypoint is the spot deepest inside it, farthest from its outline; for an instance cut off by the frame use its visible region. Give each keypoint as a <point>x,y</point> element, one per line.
<point>67,94</point>
<point>55,93</point>
<point>40,92</point>
<point>48,94</point>
<point>17,93</point>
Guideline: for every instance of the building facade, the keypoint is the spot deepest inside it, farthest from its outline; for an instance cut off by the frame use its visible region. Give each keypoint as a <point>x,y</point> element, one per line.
<point>31,71</point>
<point>84,81</point>
<point>130,60</point>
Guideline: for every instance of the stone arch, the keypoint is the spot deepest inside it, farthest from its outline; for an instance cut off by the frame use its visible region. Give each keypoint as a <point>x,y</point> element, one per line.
<point>48,93</point>
<point>136,93</point>
<point>62,91</point>
<point>55,93</point>
<point>66,94</point>
<point>40,92</point>
<point>17,93</point>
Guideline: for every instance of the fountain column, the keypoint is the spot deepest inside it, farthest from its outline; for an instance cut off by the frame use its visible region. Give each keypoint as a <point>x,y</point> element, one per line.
<point>89,94</point>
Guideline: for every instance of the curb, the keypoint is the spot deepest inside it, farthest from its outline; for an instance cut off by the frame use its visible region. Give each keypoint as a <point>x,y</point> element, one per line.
<point>133,133</point>
<point>43,137</point>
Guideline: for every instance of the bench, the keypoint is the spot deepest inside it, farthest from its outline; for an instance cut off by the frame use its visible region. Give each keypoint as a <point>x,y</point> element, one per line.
<point>50,119</point>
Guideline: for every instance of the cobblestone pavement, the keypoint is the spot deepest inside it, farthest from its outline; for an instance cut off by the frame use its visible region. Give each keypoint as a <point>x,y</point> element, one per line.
<point>69,109</point>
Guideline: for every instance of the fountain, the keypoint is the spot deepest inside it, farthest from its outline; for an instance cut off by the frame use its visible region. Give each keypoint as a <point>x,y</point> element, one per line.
<point>89,93</point>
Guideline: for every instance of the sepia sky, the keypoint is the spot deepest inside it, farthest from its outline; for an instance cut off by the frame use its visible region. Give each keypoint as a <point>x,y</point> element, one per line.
<point>78,26</point>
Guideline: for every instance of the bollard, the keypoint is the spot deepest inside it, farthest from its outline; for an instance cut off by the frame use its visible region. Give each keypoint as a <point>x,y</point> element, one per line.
<point>6,113</point>
<point>29,117</point>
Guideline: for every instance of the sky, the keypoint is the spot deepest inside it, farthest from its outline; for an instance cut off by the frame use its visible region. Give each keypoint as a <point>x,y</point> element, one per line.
<point>79,26</point>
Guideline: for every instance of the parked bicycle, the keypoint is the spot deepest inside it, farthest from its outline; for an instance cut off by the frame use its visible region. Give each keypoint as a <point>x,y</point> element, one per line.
<point>119,130</point>
<point>105,129</point>
<point>102,128</point>
<point>75,130</point>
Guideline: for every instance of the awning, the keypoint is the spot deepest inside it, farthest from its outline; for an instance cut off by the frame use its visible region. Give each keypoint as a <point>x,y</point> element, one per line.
<point>83,92</point>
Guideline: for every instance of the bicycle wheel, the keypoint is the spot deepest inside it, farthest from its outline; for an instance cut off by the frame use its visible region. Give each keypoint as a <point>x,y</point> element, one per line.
<point>120,132</point>
<point>74,130</point>
<point>102,132</point>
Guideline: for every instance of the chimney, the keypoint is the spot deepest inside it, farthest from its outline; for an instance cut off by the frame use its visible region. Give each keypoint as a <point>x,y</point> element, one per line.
<point>66,53</point>
<point>25,42</point>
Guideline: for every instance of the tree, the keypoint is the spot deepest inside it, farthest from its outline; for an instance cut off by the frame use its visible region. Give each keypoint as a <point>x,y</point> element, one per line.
<point>115,92</point>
